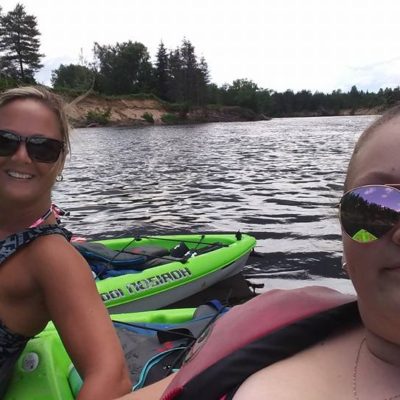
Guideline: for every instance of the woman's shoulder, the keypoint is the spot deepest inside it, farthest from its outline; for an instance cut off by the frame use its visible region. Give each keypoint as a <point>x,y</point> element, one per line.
<point>53,253</point>
<point>22,241</point>
<point>322,371</point>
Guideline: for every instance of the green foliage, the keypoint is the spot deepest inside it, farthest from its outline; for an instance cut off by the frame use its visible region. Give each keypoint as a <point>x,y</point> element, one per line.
<point>72,76</point>
<point>244,93</point>
<point>170,119</point>
<point>69,93</point>
<point>7,82</point>
<point>161,72</point>
<point>124,68</point>
<point>181,108</point>
<point>148,117</point>
<point>188,78</point>
<point>133,96</point>
<point>19,45</point>
<point>100,117</point>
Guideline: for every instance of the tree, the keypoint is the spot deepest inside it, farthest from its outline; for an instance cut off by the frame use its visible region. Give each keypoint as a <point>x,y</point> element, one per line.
<point>19,43</point>
<point>354,97</point>
<point>187,78</point>
<point>124,68</point>
<point>189,71</point>
<point>162,72</point>
<point>243,92</point>
<point>202,82</point>
<point>176,81</point>
<point>72,76</point>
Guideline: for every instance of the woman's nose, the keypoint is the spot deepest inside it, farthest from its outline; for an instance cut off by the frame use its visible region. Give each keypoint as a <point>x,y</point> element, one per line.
<point>21,154</point>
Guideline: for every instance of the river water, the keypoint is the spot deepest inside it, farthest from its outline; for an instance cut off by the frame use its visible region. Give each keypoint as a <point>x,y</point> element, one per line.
<point>278,180</point>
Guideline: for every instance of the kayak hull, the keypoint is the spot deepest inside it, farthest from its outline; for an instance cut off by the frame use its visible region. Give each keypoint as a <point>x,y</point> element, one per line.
<point>162,285</point>
<point>44,370</point>
<point>177,293</point>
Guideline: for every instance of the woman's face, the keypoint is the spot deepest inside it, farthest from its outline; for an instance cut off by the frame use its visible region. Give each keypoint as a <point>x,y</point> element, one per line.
<point>23,180</point>
<point>374,268</point>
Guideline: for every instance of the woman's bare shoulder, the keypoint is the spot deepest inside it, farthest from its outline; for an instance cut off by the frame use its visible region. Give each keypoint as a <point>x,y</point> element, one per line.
<point>55,252</point>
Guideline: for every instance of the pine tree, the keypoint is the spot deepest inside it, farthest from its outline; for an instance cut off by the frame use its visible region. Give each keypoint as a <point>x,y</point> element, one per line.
<point>19,43</point>
<point>202,82</point>
<point>162,72</point>
<point>189,69</point>
<point>176,80</point>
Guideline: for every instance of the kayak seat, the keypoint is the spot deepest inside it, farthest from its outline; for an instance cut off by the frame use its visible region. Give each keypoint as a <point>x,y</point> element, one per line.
<point>160,261</point>
<point>149,251</point>
<point>106,263</point>
<point>97,252</point>
<point>210,247</point>
<point>151,348</point>
<point>179,252</point>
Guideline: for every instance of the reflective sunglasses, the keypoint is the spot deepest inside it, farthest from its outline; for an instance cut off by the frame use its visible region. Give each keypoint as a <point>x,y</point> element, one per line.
<point>39,148</point>
<point>368,212</point>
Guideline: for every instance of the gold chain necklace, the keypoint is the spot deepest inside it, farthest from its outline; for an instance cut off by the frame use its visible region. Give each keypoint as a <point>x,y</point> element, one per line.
<point>355,372</point>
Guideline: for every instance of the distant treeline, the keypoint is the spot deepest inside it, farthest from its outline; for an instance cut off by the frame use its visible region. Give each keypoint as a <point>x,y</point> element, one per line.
<point>176,76</point>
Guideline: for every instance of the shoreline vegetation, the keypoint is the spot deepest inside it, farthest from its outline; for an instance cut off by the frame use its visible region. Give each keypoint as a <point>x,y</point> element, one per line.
<point>123,86</point>
<point>94,110</point>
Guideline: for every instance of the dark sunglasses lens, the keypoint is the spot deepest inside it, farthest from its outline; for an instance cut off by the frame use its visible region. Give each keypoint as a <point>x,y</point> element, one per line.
<point>8,144</point>
<point>369,212</point>
<point>43,149</point>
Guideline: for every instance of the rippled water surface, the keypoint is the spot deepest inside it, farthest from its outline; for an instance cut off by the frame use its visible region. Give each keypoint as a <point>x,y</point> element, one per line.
<point>278,180</point>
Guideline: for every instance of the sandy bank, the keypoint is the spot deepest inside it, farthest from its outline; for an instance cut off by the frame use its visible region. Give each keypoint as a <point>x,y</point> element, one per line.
<point>131,111</point>
<point>121,111</point>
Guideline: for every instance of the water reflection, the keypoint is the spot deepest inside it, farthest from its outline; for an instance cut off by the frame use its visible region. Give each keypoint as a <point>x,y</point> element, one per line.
<point>278,180</point>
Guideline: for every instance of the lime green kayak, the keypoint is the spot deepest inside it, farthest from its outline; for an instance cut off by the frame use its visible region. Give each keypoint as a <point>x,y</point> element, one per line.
<point>166,269</point>
<point>44,370</point>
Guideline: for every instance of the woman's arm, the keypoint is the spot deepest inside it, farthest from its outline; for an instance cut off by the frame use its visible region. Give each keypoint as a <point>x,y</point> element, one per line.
<point>73,303</point>
<point>151,392</point>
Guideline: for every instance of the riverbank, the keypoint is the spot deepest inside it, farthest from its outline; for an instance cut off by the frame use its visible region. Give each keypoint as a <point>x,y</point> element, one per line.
<point>95,110</point>
<point>91,110</point>
<point>335,113</point>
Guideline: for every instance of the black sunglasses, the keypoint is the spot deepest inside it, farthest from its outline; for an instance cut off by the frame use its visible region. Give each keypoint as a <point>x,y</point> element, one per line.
<point>39,148</point>
<point>369,212</point>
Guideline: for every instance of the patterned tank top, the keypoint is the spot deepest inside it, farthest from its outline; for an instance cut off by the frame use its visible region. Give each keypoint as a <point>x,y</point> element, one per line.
<point>11,343</point>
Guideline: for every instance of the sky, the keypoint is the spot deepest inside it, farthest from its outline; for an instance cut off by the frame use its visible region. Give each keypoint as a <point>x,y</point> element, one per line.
<point>318,45</point>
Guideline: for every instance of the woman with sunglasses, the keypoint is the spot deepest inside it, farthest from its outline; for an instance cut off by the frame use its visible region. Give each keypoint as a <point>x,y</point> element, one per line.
<point>42,277</point>
<point>317,344</point>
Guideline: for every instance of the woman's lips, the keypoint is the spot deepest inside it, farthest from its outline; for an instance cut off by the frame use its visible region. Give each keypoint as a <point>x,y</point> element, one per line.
<point>19,174</point>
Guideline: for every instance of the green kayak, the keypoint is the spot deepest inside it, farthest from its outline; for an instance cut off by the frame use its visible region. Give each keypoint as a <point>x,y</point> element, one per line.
<point>148,273</point>
<point>44,370</point>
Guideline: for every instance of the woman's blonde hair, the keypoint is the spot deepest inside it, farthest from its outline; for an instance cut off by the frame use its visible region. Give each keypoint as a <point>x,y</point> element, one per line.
<point>53,101</point>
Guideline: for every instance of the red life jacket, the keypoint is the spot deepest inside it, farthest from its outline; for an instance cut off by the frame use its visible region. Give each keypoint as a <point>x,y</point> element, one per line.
<point>264,330</point>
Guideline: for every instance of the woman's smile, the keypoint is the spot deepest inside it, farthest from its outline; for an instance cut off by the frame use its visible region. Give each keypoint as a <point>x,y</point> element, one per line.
<point>19,175</point>
<point>23,179</point>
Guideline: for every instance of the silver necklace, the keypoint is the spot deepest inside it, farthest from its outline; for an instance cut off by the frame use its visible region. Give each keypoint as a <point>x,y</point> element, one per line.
<point>355,373</point>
